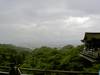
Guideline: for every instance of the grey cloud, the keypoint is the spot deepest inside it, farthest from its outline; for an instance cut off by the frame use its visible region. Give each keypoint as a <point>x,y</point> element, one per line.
<point>87,6</point>
<point>47,22</point>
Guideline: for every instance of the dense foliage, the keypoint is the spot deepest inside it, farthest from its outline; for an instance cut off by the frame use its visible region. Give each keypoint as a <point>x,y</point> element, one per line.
<point>65,58</point>
<point>12,54</point>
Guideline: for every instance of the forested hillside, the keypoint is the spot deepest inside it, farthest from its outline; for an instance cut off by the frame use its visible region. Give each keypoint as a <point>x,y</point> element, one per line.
<point>65,58</point>
<point>12,54</point>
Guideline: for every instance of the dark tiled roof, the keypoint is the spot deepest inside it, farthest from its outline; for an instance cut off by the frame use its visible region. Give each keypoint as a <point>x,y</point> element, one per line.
<point>92,35</point>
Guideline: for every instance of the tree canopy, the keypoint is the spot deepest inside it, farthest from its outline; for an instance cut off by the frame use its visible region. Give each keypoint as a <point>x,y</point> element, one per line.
<point>65,58</point>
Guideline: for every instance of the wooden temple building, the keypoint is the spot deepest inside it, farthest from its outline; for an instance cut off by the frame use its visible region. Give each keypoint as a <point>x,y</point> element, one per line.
<point>91,50</point>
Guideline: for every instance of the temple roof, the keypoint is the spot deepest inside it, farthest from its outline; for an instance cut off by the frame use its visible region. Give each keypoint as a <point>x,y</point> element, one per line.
<point>91,35</point>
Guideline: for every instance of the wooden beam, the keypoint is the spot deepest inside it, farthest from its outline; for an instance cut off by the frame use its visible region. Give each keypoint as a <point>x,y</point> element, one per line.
<point>88,58</point>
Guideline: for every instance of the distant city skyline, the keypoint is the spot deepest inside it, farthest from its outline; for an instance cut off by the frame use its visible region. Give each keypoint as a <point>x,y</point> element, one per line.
<point>54,23</point>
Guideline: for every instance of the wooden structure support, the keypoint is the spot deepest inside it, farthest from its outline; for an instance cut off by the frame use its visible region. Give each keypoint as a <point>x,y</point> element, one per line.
<point>88,58</point>
<point>91,50</point>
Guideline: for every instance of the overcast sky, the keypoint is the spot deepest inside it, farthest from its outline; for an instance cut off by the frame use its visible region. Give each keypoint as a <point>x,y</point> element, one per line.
<point>35,23</point>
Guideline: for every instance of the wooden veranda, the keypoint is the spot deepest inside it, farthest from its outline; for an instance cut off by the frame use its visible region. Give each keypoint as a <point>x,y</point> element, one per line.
<point>91,50</point>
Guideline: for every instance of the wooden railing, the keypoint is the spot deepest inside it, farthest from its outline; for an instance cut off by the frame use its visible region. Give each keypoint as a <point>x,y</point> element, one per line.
<point>91,54</point>
<point>27,71</point>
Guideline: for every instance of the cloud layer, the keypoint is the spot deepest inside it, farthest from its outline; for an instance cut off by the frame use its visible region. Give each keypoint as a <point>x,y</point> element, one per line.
<point>35,23</point>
